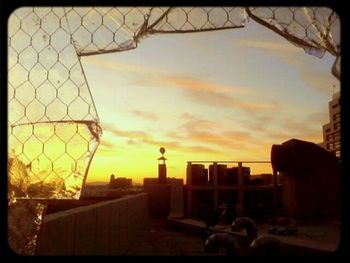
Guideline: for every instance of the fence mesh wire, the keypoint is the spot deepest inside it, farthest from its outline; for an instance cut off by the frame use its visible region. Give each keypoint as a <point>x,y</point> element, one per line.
<point>53,125</point>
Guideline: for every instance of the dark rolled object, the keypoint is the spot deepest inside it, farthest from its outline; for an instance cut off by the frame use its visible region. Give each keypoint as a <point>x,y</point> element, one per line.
<point>297,155</point>
<point>280,158</point>
<point>267,246</point>
<point>244,223</point>
<point>225,241</point>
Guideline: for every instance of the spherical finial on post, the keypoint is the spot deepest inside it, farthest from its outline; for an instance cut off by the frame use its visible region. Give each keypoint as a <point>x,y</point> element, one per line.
<point>162,167</point>
<point>162,151</point>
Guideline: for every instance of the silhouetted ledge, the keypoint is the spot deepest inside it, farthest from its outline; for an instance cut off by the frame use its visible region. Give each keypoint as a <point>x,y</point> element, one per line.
<point>54,206</point>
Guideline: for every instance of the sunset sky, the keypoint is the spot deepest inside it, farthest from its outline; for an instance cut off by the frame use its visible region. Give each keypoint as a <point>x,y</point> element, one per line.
<point>222,95</point>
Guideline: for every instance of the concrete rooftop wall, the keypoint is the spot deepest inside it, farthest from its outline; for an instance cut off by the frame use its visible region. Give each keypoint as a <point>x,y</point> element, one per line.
<point>105,228</point>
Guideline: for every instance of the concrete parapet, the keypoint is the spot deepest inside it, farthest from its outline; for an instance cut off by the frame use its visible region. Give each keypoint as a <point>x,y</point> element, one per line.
<point>104,228</point>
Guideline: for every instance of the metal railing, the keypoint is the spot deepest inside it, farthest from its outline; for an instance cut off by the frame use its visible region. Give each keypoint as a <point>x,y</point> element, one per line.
<point>240,188</point>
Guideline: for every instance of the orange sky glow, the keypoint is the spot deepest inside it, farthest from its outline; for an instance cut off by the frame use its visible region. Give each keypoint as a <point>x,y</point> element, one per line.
<point>225,95</point>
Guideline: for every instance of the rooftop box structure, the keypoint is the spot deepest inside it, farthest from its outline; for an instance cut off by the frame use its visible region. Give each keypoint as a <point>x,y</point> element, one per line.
<point>310,179</point>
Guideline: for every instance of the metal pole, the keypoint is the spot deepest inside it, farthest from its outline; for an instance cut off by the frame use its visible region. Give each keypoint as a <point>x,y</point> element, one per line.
<point>215,184</point>
<point>240,206</point>
<point>275,190</point>
<point>189,189</point>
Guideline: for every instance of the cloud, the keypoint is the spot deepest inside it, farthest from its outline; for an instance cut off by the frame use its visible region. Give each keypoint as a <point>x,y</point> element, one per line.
<point>115,66</point>
<point>215,99</point>
<point>257,124</point>
<point>318,79</point>
<point>178,146</point>
<point>303,127</point>
<point>307,129</point>
<point>192,121</point>
<point>238,135</point>
<point>133,134</point>
<point>206,93</point>
<point>283,128</point>
<point>195,87</point>
<point>134,137</point>
<point>286,47</point>
<point>318,117</point>
<point>229,139</point>
<point>106,144</point>
<point>216,95</point>
<point>106,148</point>
<point>145,115</point>
<point>198,130</point>
<point>190,83</point>
<point>131,142</point>
<point>311,123</point>
<point>134,74</point>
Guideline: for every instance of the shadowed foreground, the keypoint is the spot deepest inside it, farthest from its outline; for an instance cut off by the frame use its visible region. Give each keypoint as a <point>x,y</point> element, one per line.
<point>160,240</point>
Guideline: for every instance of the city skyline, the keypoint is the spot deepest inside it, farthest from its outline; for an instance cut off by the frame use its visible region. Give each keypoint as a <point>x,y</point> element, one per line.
<point>200,96</point>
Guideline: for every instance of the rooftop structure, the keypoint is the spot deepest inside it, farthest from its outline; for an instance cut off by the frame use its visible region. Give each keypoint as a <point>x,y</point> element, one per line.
<point>228,187</point>
<point>119,182</point>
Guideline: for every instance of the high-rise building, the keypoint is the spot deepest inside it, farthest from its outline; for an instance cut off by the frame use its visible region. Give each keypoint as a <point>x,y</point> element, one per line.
<point>331,130</point>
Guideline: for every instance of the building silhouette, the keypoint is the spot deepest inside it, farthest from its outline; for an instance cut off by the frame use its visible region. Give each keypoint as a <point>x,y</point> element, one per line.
<point>119,182</point>
<point>165,195</point>
<point>199,174</point>
<point>310,178</point>
<point>218,187</point>
<point>331,130</point>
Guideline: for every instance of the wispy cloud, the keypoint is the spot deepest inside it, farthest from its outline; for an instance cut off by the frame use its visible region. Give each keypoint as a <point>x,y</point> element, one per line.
<point>131,142</point>
<point>107,148</point>
<point>197,88</point>
<point>314,77</point>
<point>319,80</point>
<point>268,45</point>
<point>216,94</point>
<point>190,83</point>
<point>115,66</point>
<point>301,127</point>
<point>145,115</point>
<point>308,129</point>
<point>216,99</point>
<point>192,121</point>
<point>134,137</point>
<point>180,147</point>
<point>285,127</point>
<point>317,117</point>
<point>198,130</point>
<point>106,144</point>
<point>131,134</point>
<point>232,140</point>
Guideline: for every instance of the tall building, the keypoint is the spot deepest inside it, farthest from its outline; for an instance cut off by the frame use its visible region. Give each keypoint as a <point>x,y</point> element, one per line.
<point>331,130</point>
